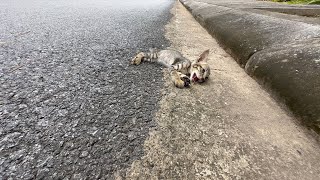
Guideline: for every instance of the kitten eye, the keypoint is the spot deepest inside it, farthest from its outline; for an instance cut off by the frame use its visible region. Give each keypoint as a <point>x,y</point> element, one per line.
<point>195,66</point>
<point>203,71</point>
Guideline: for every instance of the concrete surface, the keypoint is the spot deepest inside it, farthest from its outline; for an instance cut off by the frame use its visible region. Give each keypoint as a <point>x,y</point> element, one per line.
<point>293,71</point>
<point>227,128</point>
<point>70,105</point>
<point>250,33</point>
<point>300,11</point>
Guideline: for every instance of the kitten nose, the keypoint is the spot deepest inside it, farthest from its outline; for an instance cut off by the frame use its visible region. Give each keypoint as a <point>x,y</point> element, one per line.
<point>187,84</point>
<point>201,80</point>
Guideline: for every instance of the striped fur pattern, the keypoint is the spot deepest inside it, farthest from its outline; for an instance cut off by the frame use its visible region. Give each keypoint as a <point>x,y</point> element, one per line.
<point>182,70</point>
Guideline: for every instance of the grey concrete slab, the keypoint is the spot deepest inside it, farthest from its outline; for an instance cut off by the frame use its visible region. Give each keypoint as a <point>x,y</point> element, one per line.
<point>251,30</point>
<point>293,73</point>
<point>227,128</point>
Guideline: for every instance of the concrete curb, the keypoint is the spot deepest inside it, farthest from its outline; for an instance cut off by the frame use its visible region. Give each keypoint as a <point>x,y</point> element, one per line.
<point>281,54</point>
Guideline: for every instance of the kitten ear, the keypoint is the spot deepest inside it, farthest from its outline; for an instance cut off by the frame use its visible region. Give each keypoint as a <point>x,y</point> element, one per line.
<point>203,56</point>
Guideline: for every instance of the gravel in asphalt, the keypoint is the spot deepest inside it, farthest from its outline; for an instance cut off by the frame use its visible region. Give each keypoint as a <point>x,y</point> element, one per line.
<point>70,105</point>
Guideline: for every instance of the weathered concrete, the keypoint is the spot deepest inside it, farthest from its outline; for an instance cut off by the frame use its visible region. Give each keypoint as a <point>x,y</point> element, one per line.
<point>227,128</point>
<point>246,31</point>
<point>293,72</point>
<point>301,11</point>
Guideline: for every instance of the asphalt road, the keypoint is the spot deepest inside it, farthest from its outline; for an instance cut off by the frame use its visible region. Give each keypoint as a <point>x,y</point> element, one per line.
<point>70,105</point>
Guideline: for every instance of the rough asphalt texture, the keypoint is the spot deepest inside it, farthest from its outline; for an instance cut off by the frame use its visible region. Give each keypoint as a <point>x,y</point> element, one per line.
<point>70,105</point>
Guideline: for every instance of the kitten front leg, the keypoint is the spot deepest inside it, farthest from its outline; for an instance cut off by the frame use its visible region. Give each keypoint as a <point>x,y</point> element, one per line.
<point>138,58</point>
<point>179,80</point>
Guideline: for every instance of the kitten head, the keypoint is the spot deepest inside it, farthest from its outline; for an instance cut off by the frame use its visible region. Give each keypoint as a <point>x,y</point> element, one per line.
<point>200,70</point>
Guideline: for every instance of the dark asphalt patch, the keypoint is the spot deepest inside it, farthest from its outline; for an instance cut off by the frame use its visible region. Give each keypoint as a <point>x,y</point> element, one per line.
<point>70,104</point>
